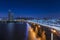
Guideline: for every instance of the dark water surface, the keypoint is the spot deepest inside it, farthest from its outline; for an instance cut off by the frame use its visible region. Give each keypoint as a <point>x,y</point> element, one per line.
<point>13,31</point>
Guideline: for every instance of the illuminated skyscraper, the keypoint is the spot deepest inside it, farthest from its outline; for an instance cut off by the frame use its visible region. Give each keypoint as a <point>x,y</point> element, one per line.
<point>10,16</point>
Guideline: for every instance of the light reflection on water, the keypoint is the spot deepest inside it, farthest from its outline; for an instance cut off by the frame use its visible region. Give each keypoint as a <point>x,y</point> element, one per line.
<point>12,30</point>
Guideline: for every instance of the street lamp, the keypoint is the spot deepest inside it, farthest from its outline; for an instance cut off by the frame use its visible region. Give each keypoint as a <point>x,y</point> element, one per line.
<point>52,33</point>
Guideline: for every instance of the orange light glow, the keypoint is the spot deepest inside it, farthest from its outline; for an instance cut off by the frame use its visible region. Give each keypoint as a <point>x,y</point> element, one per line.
<point>53,30</point>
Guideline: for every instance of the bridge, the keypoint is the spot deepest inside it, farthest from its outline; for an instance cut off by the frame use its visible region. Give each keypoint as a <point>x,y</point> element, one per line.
<point>51,33</point>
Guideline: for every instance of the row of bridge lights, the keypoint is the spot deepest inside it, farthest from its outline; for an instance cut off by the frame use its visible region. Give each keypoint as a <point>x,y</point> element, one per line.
<point>53,31</point>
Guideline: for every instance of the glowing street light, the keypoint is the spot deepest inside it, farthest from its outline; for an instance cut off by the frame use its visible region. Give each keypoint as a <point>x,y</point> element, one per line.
<point>52,33</point>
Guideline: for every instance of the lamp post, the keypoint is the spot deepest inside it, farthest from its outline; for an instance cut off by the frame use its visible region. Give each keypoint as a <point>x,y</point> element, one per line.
<point>52,34</point>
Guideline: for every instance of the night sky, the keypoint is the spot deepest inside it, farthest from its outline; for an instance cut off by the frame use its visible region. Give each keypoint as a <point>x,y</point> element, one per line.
<point>30,8</point>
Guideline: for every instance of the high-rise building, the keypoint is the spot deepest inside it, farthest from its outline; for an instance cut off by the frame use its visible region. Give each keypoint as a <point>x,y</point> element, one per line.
<point>10,16</point>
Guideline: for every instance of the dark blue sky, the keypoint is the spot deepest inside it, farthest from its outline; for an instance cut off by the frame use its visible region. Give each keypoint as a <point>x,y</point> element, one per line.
<point>33,8</point>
